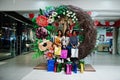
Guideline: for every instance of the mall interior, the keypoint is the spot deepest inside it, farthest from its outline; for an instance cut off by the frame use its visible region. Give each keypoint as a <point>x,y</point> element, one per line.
<point>17,38</point>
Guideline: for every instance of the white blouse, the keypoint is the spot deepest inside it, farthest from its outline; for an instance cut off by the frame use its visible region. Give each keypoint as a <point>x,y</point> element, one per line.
<point>65,40</point>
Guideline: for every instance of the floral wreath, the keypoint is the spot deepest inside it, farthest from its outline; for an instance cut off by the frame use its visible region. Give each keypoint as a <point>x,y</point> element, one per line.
<point>64,17</point>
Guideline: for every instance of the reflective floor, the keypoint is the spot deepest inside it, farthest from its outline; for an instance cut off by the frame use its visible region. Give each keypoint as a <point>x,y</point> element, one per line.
<point>21,68</point>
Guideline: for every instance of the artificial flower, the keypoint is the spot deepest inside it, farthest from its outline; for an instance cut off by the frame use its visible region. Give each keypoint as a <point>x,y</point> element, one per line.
<point>41,33</point>
<point>49,54</point>
<point>42,21</point>
<point>56,24</point>
<point>51,19</point>
<point>54,14</point>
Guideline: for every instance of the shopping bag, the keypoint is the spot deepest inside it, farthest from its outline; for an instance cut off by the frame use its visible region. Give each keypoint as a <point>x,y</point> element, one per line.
<point>50,65</point>
<point>74,53</point>
<point>64,54</point>
<point>55,67</point>
<point>81,62</point>
<point>57,51</point>
<point>74,67</point>
<point>58,67</point>
<point>68,68</point>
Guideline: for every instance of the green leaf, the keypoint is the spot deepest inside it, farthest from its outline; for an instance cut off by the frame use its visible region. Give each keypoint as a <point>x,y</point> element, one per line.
<point>36,26</point>
<point>34,20</point>
<point>40,40</point>
<point>41,11</point>
<point>81,38</point>
<point>37,54</point>
<point>49,28</point>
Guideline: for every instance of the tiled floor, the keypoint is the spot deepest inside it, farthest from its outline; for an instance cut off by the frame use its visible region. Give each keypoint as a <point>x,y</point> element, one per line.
<point>21,68</point>
<point>16,68</point>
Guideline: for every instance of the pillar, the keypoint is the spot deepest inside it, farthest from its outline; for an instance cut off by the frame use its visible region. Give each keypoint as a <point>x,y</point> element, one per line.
<point>118,41</point>
<point>114,41</point>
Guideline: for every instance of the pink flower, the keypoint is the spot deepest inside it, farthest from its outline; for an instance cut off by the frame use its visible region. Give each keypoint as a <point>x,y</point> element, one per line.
<point>49,54</point>
<point>42,21</point>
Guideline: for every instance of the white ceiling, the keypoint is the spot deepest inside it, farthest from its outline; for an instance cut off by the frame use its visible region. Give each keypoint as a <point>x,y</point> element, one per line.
<point>101,9</point>
<point>106,15</point>
<point>96,15</point>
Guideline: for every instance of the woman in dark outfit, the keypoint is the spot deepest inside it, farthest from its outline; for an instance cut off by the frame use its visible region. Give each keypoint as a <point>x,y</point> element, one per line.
<point>74,43</point>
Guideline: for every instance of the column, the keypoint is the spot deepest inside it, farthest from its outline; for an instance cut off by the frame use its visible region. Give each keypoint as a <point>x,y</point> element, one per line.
<point>114,41</point>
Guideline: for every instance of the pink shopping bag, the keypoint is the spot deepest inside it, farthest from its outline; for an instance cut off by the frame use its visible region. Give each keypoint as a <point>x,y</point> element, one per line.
<point>64,54</point>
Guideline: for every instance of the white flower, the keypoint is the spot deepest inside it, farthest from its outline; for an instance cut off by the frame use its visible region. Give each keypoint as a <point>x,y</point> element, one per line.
<point>54,14</point>
<point>50,17</point>
<point>67,11</point>
<point>73,20</point>
<point>74,14</point>
<point>64,13</point>
<point>74,17</point>
<point>51,20</point>
<point>58,16</point>
<point>68,15</point>
<point>70,12</point>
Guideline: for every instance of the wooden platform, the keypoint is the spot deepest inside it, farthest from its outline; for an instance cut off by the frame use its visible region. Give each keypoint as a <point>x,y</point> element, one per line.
<point>43,66</point>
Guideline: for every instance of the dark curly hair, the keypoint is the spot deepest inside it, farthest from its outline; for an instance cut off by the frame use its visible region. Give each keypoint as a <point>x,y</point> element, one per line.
<point>66,32</point>
<point>61,33</point>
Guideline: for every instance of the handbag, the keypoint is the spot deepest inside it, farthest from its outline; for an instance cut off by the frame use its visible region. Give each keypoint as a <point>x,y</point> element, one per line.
<point>74,53</point>
<point>57,51</point>
<point>64,54</point>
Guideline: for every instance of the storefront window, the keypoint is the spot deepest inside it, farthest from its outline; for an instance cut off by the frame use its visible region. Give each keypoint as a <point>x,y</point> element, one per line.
<point>7,42</point>
<point>7,36</point>
<point>104,39</point>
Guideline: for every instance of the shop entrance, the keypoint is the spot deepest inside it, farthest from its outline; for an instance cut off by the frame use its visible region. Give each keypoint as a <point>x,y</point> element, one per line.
<point>104,39</point>
<point>11,29</point>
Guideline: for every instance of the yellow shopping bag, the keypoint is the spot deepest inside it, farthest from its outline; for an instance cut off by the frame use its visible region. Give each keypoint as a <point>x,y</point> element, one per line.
<point>57,51</point>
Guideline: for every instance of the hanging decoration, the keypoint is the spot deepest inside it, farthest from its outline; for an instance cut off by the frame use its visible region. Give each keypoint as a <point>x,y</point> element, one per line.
<point>112,23</point>
<point>31,15</point>
<point>96,22</point>
<point>107,23</point>
<point>104,23</point>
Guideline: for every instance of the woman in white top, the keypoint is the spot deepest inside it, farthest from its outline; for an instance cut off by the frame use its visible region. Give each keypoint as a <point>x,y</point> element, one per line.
<point>65,39</point>
<point>66,42</point>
